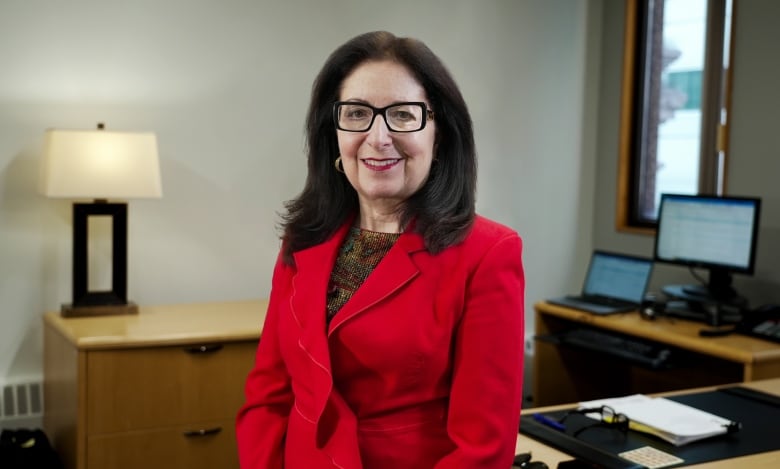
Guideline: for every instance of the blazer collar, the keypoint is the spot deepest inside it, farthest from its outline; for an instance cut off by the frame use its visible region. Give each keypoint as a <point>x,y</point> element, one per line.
<point>313,270</point>
<point>394,271</point>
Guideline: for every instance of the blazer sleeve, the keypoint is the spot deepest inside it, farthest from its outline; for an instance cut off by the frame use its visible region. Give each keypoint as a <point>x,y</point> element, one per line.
<point>261,424</point>
<point>484,411</point>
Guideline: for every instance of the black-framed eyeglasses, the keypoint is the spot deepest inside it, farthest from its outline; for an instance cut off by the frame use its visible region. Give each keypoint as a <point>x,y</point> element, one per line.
<point>609,418</point>
<point>399,117</point>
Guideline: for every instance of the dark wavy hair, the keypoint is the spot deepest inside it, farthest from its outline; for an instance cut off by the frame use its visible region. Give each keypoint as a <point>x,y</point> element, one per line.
<point>442,210</point>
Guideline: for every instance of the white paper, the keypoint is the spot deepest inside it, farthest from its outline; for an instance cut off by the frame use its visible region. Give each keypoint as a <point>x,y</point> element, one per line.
<point>675,422</point>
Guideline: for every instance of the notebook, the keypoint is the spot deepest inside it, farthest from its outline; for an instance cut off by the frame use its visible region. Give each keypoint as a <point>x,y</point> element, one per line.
<point>615,283</point>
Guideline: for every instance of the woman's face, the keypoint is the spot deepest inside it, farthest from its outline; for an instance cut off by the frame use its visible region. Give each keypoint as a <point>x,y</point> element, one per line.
<point>385,167</point>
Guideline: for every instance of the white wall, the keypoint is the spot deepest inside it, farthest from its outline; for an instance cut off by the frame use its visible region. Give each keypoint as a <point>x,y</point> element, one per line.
<point>225,84</point>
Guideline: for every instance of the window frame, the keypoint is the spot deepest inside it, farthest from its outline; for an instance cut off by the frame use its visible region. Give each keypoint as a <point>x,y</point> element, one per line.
<point>716,97</point>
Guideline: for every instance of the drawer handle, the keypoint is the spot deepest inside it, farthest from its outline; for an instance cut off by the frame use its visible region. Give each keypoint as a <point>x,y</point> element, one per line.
<point>204,348</point>
<point>202,432</point>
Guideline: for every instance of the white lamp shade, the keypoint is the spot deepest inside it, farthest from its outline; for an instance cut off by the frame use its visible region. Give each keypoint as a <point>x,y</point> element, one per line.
<point>99,164</point>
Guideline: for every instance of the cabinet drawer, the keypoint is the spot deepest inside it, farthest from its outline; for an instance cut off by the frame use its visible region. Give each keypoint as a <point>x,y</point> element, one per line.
<point>137,389</point>
<point>165,449</point>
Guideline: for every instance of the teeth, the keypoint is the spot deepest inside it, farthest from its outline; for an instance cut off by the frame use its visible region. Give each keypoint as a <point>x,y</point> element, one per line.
<point>382,163</point>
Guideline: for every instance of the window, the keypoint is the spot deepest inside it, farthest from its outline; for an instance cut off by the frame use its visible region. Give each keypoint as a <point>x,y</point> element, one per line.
<point>674,104</point>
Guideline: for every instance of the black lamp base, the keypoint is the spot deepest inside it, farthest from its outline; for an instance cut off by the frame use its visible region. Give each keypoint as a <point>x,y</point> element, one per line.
<point>70,311</point>
<point>99,303</point>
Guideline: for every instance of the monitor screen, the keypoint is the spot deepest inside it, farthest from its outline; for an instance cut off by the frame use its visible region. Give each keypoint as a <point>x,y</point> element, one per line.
<point>717,233</point>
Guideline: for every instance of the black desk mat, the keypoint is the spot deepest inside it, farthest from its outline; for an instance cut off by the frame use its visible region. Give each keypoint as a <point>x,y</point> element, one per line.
<point>759,414</point>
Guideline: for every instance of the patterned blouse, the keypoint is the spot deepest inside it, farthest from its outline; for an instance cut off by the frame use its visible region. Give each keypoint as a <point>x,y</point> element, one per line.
<point>359,255</point>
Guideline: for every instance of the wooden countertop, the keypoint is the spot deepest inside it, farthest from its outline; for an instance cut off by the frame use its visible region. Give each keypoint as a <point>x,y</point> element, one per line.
<point>165,325</point>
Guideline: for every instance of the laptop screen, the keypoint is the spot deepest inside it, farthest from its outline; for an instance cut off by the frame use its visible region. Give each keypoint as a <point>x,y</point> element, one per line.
<point>618,276</point>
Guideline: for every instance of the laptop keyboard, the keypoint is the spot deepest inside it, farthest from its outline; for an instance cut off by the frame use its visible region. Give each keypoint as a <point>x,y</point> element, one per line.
<point>600,300</point>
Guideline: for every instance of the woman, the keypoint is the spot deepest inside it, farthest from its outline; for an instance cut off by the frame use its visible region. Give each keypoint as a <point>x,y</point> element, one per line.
<point>394,331</point>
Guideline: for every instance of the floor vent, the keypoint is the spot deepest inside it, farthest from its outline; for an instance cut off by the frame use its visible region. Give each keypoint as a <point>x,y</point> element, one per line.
<point>21,405</point>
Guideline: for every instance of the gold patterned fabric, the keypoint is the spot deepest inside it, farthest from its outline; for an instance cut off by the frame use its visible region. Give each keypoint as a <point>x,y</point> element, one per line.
<point>359,255</point>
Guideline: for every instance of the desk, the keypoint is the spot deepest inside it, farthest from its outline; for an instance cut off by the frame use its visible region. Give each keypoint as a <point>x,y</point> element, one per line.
<point>551,456</point>
<point>563,374</point>
<point>160,388</point>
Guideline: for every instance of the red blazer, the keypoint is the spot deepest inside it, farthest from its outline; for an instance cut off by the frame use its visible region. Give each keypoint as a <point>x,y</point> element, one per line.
<point>420,369</point>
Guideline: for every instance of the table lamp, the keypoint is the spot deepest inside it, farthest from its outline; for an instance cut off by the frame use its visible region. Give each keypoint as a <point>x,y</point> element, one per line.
<point>100,165</point>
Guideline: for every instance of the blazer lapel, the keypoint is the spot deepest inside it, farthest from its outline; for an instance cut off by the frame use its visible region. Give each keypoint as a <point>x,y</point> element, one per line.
<point>394,271</point>
<point>308,304</point>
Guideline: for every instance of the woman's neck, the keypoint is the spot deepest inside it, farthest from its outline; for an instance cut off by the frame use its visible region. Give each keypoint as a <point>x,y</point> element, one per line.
<point>380,216</point>
<point>379,226</point>
<point>379,221</point>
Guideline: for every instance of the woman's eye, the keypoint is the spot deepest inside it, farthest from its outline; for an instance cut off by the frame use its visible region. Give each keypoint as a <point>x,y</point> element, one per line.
<point>400,115</point>
<point>358,113</point>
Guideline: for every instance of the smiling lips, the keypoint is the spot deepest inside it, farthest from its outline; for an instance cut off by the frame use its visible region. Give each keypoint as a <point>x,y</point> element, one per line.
<point>381,165</point>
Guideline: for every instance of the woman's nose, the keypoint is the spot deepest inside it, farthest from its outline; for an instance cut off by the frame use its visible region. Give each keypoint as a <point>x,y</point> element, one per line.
<point>379,133</point>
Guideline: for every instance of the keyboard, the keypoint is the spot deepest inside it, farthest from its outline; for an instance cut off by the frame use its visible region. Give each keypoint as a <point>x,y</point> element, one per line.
<point>602,300</point>
<point>637,351</point>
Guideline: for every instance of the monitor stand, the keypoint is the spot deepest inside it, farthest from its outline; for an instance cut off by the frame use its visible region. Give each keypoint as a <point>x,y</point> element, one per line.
<point>697,304</point>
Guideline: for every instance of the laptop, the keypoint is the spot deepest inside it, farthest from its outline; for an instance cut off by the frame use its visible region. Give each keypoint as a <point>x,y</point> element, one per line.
<point>615,283</point>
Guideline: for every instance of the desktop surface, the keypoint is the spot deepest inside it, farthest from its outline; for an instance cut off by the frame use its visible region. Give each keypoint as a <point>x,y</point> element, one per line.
<point>552,456</point>
<point>565,374</point>
<point>671,331</point>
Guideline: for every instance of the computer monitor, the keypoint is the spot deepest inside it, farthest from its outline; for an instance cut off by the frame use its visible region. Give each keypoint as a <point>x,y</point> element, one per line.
<point>715,233</point>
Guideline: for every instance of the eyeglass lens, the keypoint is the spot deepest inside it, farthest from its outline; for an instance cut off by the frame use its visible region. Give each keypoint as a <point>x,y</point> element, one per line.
<point>404,117</point>
<point>608,415</point>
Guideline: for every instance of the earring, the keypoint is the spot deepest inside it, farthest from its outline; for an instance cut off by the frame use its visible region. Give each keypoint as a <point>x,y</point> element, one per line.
<point>338,165</point>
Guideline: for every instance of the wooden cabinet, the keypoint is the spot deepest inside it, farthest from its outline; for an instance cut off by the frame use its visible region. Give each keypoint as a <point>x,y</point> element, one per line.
<point>155,390</point>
